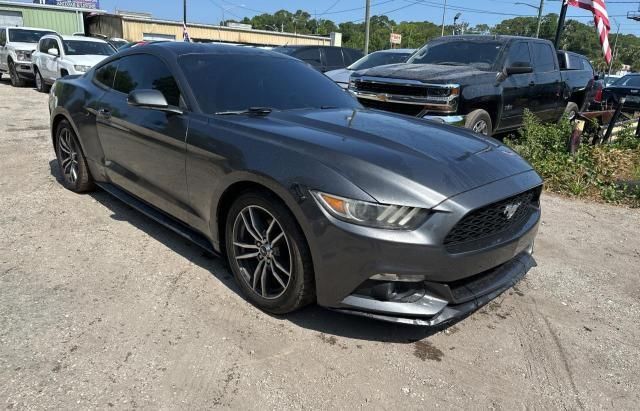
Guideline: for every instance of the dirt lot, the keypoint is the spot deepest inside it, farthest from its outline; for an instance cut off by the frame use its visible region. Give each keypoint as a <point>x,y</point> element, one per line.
<point>101,307</point>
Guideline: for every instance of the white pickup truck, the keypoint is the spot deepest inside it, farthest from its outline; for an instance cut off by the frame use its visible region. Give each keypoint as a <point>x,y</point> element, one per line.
<point>16,46</point>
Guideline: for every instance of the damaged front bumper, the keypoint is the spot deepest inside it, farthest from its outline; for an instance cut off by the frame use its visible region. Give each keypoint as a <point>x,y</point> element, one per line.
<point>437,304</point>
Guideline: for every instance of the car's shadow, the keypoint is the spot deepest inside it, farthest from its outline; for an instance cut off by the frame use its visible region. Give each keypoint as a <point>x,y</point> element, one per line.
<point>313,317</point>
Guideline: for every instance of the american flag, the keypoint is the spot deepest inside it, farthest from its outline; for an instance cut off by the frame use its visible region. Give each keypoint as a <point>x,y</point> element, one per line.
<point>185,33</point>
<point>601,19</point>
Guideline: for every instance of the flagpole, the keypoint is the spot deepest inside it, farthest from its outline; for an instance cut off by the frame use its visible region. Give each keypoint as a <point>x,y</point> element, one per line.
<point>560,28</point>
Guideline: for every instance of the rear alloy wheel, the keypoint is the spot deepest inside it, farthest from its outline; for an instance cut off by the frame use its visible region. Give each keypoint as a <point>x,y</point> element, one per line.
<point>16,81</point>
<point>479,121</point>
<point>71,161</point>
<point>268,254</point>
<point>40,84</point>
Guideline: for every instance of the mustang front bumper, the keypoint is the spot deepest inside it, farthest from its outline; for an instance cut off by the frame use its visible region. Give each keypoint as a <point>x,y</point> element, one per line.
<point>435,307</point>
<point>450,283</point>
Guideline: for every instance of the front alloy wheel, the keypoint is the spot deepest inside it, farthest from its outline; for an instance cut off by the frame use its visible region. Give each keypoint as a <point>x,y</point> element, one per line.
<point>261,250</point>
<point>481,127</point>
<point>268,253</point>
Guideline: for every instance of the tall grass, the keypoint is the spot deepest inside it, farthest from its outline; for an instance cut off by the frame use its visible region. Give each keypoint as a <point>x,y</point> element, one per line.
<point>603,172</point>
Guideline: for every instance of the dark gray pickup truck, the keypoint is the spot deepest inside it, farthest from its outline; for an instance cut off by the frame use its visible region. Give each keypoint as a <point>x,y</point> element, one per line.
<point>483,83</point>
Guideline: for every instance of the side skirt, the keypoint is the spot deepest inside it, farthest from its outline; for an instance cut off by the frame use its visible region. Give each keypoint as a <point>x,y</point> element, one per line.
<point>160,217</point>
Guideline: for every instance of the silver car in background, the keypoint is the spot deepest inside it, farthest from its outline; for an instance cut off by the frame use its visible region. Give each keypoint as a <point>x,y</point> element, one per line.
<point>375,59</point>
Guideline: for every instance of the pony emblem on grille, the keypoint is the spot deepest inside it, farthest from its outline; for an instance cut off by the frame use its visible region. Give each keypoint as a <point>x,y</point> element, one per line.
<point>510,210</point>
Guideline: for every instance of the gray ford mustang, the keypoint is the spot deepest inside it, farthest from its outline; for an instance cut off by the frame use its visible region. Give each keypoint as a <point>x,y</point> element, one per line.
<point>312,198</point>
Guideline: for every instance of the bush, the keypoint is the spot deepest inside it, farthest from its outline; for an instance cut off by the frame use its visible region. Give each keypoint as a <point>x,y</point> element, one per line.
<point>604,172</point>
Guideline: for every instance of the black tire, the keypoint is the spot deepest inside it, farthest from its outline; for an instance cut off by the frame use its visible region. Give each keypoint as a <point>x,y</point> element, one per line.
<point>479,121</point>
<point>41,86</point>
<point>71,161</point>
<point>16,80</point>
<point>571,111</point>
<point>299,289</point>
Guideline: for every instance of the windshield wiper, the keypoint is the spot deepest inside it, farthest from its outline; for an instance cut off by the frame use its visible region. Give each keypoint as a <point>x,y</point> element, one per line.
<point>256,111</point>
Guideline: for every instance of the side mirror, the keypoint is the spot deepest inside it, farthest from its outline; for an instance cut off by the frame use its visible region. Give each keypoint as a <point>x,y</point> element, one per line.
<point>518,68</point>
<point>151,99</point>
<point>53,52</point>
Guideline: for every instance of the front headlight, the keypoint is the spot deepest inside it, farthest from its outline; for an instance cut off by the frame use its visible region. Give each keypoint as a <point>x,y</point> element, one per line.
<point>82,69</point>
<point>23,55</point>
<point>388,216</point>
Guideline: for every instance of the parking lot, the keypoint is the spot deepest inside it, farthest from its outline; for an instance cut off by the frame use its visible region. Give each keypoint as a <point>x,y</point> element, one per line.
<point>101,307</point>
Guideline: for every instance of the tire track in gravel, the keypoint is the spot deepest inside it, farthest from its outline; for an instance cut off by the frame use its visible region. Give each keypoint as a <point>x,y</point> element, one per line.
<point>545,357</point>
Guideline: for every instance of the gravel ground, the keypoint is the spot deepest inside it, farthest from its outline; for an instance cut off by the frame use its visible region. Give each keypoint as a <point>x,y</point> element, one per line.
<point>101,307</point>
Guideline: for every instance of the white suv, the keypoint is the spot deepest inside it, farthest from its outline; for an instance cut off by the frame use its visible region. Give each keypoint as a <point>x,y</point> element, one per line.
<point>58,56</point>
<point>16,46</point>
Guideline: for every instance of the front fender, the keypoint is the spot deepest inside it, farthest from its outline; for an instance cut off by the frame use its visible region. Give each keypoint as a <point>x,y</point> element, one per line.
<point>487,96</point>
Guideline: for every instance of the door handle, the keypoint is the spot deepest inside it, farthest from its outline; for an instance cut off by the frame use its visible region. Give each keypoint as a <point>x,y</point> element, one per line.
<point>104,113</point>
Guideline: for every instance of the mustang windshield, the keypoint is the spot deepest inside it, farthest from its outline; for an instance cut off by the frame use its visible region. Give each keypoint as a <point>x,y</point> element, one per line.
<point>223,84</point>
<point>481,55</point>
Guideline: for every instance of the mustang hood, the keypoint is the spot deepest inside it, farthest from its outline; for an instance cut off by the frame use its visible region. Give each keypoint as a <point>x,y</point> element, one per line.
<point>427,72</point>
<point>393,158</point>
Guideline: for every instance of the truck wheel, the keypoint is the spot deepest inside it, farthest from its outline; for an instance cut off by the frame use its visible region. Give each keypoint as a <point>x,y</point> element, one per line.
<point>571,111</point>
<point>479,121</point>
<point>16,81</point>
<point>41,86</point>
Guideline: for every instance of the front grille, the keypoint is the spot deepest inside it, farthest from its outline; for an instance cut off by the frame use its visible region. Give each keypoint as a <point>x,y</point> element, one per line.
<point>493,221</point>
<point>398,89</point>
<point>408,109</point>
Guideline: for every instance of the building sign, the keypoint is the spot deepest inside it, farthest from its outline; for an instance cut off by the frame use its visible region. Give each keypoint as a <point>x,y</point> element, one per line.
<point>395,38</point>
<point>239,25</point>
<point>80,4</point>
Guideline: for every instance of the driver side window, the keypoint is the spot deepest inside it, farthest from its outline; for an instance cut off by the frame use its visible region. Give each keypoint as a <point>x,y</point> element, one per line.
<point>519,55</point>
<point>144,71</point>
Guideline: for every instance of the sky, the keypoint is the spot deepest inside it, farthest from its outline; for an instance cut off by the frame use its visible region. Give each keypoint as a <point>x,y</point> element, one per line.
<point>473,11</point>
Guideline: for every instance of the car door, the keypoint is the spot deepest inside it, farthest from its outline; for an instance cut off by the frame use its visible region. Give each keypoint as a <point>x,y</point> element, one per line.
<point>144,148</point>
<point>516,88</point>
<point>50,66</point>
<point>547,93</point>
<point>3,49</point>
<point>40,58</point>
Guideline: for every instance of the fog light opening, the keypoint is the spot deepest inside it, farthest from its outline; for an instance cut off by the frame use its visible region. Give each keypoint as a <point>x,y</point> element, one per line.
<point>404,278</point>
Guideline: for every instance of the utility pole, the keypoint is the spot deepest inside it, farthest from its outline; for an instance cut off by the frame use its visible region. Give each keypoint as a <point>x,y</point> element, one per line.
<point>560,28</point>
<point>539,18</point>
<point>539,14</point>
<point>184,14</point>
<point>444,12</point>
<point>615,45</point>
<point>367,25</point>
